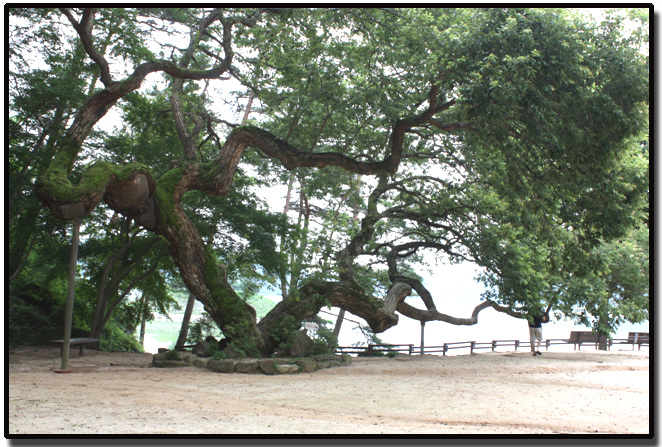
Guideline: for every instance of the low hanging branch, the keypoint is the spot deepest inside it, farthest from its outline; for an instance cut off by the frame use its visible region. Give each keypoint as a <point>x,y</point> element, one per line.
<point>402,282</point>
<point>379,314</point>
<point>433,315</point>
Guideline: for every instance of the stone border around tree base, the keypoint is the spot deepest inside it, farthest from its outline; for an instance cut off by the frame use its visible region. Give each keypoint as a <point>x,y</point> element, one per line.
<point>268,366</point>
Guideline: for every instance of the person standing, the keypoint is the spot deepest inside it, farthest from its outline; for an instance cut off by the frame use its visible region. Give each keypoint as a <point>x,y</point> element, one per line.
<point>535,332</point>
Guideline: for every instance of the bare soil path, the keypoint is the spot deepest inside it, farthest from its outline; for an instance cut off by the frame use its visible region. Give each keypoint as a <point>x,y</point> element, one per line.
<point>488,393</point>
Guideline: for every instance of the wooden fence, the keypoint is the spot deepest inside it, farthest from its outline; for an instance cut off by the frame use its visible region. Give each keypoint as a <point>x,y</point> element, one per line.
<point>410,349</point>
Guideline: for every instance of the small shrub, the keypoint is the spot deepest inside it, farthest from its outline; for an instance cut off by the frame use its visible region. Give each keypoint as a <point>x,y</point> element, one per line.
<point>115,339</point>
<point>218,355</point>
<point>34,316</point>
<point>172,355</point>
<point>284,332</point>
<point>202,328</point>
<point>325,340</point>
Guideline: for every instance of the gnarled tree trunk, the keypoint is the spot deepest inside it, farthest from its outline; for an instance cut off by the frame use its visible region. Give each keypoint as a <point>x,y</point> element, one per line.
<point>133,191</point>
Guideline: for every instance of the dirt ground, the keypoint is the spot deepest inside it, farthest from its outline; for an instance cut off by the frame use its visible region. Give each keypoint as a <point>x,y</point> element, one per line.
<point>487,393</point>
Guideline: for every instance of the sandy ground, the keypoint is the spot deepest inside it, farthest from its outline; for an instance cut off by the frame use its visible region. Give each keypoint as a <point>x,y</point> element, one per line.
<point>487,393</point>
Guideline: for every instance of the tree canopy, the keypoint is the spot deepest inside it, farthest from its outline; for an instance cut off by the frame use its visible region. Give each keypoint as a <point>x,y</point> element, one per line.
<point>514,138</point>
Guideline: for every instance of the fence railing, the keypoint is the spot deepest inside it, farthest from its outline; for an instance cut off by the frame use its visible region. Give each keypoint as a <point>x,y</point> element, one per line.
<point>410,349</point>
<point>377,349</point>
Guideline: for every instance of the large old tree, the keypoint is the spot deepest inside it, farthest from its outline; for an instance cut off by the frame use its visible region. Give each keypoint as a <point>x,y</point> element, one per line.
<point>507,137</point>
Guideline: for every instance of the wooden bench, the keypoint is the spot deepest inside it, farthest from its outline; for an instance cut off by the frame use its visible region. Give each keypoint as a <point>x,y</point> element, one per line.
<point>81,342</point>
<point>579,337</point>
<point>637,338</point>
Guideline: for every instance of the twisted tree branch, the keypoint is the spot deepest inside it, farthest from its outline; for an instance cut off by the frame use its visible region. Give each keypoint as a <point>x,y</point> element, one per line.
<point>84,30</point>
<point>434,315</point>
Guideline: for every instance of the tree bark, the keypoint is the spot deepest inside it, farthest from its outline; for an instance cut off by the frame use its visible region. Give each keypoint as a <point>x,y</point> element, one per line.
<point>287,315</point>
<point>143,318</point>
<point>433,315</point>
<point>197,263</point>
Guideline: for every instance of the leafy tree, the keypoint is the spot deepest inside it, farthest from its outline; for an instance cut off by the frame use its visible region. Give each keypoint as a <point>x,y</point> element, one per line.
<point>500,136</point>
<point>117,265</point>
<point>616,290</point>
<point>44,97</point>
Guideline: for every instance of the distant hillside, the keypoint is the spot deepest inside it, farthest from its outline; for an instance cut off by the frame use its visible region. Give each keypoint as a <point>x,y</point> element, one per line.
<point>261,304</point>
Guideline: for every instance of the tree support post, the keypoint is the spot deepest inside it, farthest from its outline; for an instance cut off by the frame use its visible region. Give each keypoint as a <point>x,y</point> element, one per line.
<point>422,337</point>
<point>69,308</point>
<point>339,320</point>
<point>183,332</point>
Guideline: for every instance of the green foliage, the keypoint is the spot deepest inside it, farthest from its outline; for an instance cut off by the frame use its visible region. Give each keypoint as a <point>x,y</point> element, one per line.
<point>537,262</point>
<point>245,234</point>
<point>149,135</point>
<point>370,337</point>
<point>616,290</point>
<point>261,304</point>
<point>535,87</point>
<point>243,345</point>
<point>37,295</point>
<point>34,316</point>
<point>325,340</point>
<point>532,164</point>
<point>202,328</point>
<point>219,355</point>
<point>114,338</point>
<point>119,261</point>
<point>284,331</point>
<point>172,355</point>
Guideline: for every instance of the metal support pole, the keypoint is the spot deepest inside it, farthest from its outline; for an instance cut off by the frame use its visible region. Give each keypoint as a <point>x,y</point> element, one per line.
<point>422,337</point>
<point>68,313</point>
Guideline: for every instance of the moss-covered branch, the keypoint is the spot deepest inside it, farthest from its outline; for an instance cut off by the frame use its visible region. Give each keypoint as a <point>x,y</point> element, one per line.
<point>54,187</point>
